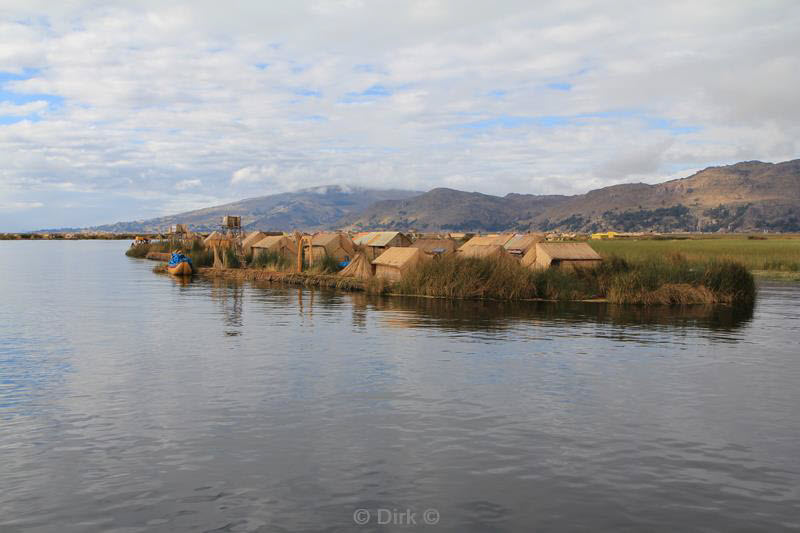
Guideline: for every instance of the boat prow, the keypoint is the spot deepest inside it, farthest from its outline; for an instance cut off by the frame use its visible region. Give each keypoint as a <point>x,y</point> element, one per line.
<point>179,265</point>
<point>181,269</point>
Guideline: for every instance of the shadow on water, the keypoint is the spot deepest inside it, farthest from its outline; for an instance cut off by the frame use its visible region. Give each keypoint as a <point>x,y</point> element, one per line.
<point>466,314</point>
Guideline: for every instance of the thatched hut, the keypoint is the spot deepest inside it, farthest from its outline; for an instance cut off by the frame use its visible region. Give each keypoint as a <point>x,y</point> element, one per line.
<point>217,240</point>
<point>395,262</point>
<point>280,244</point>
<point>251,239</point>
<point>487,250</point>
<point>360,267</point>
<point>567,255</point>
<point>435,247</point>
<point>520,243</point>
<point>484,241</point>
<point>377,242</point>
<point>336,245</point>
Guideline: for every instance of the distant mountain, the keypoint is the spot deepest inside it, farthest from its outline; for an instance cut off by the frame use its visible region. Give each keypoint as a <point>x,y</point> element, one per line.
<point>748,196</point>
<point>307,209</point>
<point>449,209</point>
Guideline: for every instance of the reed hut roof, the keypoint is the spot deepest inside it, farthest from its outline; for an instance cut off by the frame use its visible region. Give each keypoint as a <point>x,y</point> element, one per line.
<point>215,237</point>
<point>359,267</point>
<point>376,238</point>
<point>523,241</point>
<point>276,242</point>
<point>330,241</point>
<point>488,240</point>
<point>435,246</point>
<point>253,238</point>
<point>398,256</point>
<point>488,250</point>
<point>568,251</point>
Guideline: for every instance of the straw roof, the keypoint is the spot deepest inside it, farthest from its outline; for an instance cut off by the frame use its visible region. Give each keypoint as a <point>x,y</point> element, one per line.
<point>252,238</point>
<point>435,246</point>
<point>332,241</point>
<point>215,238</point>
<point>488,240</point>
<point>489,250</point>
<point>523,241</point>
<point>398,256</point>
<point>568,251</point>
<point>377,238</point>
<point>276,243</point>
<point>359,267</point>
<point>324,239</point>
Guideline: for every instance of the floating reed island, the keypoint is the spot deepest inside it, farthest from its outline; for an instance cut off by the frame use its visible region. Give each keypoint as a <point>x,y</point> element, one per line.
<point>498,267</point>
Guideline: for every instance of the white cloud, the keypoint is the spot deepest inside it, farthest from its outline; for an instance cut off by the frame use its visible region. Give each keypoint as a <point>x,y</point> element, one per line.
<point>21,110</point>
<point>270,97</point>
<point>253,174</point>
<point>19,206</point>
<point>188,184</point>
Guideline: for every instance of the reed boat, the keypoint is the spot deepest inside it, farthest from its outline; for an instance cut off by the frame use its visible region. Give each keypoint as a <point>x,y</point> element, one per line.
<point>180,265</point>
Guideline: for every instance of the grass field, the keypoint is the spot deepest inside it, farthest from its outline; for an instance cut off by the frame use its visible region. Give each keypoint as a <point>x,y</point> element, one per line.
<point>779,255</point>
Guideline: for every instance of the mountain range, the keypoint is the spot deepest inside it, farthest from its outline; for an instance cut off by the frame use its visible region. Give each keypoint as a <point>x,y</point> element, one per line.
<point>747,196</point>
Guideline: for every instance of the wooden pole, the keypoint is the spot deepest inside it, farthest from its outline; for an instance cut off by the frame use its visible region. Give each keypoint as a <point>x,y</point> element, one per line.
<point>298,239</point>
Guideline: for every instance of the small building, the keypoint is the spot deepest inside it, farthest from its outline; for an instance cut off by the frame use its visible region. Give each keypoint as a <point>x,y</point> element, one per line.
<point>217,239</point>
<point>359,267</point>
<point>395,262</point>
<point>520,243</point>
<point>489,240</point>
<point>487,250</point>
<point>567,255</point>
<point>232,221</point>
<point>377,242</point>
<point>280,244</point>
<point>179,229</point>
<point>336,245</point>
<point>435,247</point>
<point>252,238</point>
<point>485,245</point>
<point>606,235</point>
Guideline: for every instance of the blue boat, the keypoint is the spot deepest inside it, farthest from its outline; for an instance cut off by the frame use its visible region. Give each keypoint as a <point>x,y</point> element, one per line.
<point>180,265</point>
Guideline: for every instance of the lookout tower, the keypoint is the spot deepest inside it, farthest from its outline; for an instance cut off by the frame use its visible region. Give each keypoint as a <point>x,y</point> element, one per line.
<point>232,225</point>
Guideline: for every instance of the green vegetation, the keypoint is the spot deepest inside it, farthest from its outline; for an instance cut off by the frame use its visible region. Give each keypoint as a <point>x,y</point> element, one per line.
<point>675,281</point>
<point>139,252</point>
<point>230,259</point>
<point>199,254</point>
<point>326,265</point>
<point>269,259</point>
<point>780,254</point>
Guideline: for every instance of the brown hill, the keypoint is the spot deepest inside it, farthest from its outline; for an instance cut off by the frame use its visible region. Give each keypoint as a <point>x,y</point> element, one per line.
<point>748,196</point>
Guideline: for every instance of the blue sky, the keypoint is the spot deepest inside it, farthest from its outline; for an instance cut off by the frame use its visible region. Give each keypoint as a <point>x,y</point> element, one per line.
<point>133,110</point>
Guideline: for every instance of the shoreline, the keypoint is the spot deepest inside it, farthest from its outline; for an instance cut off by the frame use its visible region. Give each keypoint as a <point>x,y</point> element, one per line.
<point>349,284</point>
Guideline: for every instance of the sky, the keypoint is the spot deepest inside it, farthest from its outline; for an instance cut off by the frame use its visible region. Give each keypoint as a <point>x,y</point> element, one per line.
<point>114,111</point>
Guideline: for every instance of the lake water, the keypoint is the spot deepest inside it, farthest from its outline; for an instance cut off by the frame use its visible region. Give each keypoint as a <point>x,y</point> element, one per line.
<point>130,401</point>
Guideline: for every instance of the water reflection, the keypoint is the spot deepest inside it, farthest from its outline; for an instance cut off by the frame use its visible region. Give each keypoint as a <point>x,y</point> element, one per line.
<point>229,297</point>
<point>137,402</point>
<point>476,315</point>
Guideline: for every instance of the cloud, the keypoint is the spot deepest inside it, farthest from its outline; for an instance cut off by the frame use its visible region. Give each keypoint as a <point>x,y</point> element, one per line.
<point>19,206</point>
<point>253,174</point>
<point>495,97</point>
<point>9,109</point>
<point>188,184</point>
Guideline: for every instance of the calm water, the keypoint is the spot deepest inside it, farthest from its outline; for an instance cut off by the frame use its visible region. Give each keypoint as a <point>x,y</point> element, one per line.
<point>132,402</point>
